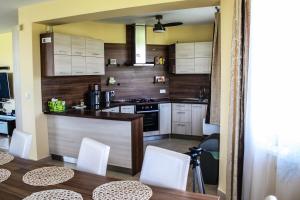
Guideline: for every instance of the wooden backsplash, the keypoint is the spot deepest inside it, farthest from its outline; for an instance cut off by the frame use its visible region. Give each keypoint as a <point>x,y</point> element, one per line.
<point>134,82</point>
<point>69,88</point>
<point>188,86</point>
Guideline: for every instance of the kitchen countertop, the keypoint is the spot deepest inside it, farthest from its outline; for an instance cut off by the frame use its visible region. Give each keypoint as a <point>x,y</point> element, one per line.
<point>97,115</point>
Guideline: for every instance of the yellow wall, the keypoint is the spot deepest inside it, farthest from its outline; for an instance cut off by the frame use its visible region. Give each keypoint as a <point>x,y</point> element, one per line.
<point>226,38</point>
<point>116,33</point>
<point>6,57</point>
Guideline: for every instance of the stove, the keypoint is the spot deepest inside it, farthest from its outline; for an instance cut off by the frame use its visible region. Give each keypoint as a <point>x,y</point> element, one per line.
<point>141,100</point>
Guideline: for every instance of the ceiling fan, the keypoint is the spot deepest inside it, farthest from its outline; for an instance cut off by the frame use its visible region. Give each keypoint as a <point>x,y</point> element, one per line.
<point>160,28</point>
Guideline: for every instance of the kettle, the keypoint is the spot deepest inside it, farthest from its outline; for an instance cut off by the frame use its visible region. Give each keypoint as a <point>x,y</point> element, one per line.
<point>109,96</point>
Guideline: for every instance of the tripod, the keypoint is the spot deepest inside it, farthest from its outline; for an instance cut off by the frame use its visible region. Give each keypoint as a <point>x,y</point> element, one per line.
<point>197,174</point>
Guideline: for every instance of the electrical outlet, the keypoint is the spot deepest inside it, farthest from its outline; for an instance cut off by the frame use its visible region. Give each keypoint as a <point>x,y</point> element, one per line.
<point>162,91</point>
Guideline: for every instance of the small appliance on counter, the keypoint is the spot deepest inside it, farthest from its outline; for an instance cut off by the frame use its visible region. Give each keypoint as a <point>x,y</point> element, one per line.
<point>56,105</point>
<point>107,97</point>
<point>93,97</point>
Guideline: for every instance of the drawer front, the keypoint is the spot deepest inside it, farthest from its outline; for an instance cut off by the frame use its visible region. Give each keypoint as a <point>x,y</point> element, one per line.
<point>127,109</point>
<point>95,66</point>
<point>185,66</point>
<point>181,128</point>
<point>62,65</point>
<point>62,44</point>
<point>202,65</point>
<point>94,48</point>
<point>115,109</point>
<point>185,50</point>
<point>181,106</point>
<point>78,65</point>
<point>203,49</point>
<point>182,116</point>
<point>78,46</point>
<point>3,127</point>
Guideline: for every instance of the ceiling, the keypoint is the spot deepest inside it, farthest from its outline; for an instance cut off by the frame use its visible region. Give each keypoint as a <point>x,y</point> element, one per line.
<point>187,16</point>
<point>9,12</point>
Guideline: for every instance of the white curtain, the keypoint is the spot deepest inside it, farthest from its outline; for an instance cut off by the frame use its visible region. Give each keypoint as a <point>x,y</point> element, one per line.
<point>272,128</point>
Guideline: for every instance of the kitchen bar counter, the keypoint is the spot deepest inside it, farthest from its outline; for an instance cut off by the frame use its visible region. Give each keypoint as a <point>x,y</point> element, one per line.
<point>97,115</point>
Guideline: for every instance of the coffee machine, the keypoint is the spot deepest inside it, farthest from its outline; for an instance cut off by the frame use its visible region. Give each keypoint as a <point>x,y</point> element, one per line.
<point>93,97</point>
<point>107,97</point>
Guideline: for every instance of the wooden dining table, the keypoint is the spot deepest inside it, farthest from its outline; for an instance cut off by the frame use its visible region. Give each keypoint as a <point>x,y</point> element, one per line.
<point>84,183</point>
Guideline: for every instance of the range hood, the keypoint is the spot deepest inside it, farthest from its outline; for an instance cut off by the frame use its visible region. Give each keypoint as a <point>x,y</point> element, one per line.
<point>139,46</point>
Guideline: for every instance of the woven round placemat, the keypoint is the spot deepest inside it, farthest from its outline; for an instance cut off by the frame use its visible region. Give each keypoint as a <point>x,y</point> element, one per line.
<point>58,194</point>
<point>5,158</point>
<point>119,190</point>
<point>48,176</point>
<point>4,175</point>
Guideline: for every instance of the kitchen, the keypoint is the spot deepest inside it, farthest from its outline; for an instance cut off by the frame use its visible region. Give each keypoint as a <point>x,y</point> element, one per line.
<point>130,92</point>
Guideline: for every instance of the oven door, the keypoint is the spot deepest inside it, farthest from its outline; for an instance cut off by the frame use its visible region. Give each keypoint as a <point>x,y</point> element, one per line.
<point>150,120</point>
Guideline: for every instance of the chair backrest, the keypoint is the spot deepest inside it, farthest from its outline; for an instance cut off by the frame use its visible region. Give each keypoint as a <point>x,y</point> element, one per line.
<point>270,197</point>
<point>165,168</point>
<point>93,157</point>
<point>20,144</point>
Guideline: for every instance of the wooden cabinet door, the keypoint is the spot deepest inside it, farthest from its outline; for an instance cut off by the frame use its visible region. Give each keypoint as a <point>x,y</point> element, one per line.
<point>78,65</point>
<point>181,128</point>
<point>165,118</point>
<point>202,65</point>
<point>128,109</point>
<point>78,46</point>
<point>62,65</point>
<point>95,66</point>
<point>94,48</point>
<point>62,44</point>
<point>198,114</point>
<point>185,66</point>
<point>203,49</point>
<point>185,50</point>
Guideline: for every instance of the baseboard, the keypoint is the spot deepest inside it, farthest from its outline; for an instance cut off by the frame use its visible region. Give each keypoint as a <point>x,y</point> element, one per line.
<point>186,137</point>
<point>156,137</point>
<point>221,194</point>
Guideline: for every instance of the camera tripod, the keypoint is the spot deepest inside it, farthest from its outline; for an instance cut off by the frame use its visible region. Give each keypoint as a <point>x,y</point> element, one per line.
<point>195,153</point>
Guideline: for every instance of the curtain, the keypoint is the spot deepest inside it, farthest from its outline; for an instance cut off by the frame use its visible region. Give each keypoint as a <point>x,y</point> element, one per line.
<point>216,74</point>
<point>272,136</point>
<point>239,74</point>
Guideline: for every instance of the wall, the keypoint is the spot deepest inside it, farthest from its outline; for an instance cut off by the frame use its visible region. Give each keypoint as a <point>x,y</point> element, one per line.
<point>6,57</point>
<point>116,33</point>
<point>226,38</point>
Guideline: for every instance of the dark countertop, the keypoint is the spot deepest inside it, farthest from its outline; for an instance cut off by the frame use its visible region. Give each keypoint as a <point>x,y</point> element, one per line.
<point>119,116</point>
<point>97,115</point>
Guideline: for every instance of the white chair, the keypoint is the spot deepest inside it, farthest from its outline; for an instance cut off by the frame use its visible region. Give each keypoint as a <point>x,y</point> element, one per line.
<point>93,157</point>
<point>209,129</point>
<point>20,144</point>
<point>165,168</point>
<point>270,197</point>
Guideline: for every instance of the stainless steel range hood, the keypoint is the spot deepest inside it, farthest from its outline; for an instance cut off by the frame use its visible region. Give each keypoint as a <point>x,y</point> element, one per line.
<point>140,45</point>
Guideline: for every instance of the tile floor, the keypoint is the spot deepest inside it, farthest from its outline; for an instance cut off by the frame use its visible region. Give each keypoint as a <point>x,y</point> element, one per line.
<point>178,145</point>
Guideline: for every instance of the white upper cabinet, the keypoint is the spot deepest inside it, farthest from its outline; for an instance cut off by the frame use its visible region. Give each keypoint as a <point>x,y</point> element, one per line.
<point>203,49</point>
<point>185,66</point>
<point>78,46</point>
<point>185,50</point>
<point>62,44</point>
<point>191,58</point>
<point>94,47</point>
<point>202,65</point>
<point>78,65</point>
<point>95,66</point>
<point>62,65</point>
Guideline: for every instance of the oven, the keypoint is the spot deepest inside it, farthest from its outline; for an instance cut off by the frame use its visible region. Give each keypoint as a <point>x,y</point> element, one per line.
<point>151,115</point>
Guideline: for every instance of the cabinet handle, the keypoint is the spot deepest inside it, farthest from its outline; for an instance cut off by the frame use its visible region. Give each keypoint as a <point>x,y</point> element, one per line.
<point>180,112</point>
